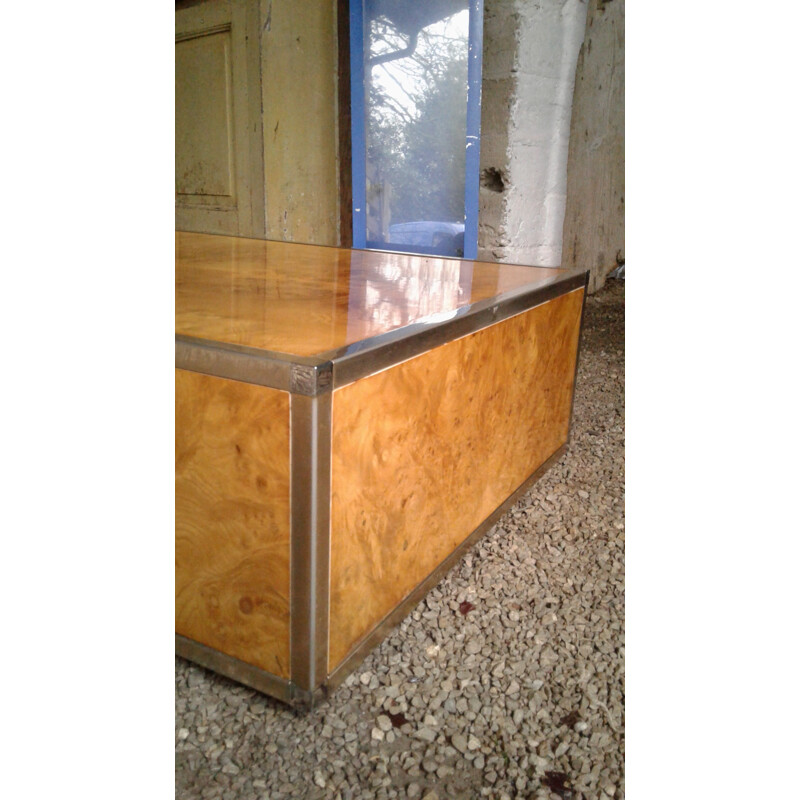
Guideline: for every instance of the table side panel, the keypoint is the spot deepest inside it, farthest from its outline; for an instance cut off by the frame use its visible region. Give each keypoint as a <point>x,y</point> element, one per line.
<point>232,518</point>
<point>424,451</point>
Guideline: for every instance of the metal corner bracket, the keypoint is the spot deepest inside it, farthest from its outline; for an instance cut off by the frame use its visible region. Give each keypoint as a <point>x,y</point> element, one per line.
<point>311,379</point>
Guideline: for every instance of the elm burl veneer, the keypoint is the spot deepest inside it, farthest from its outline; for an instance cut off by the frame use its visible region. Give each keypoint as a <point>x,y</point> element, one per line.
<point>347,424</point>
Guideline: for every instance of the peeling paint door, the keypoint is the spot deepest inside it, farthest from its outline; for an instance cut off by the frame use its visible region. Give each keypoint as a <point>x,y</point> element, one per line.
<point>219,157</point>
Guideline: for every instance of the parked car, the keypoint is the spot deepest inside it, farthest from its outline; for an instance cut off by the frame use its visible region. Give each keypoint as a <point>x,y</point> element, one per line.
<point>446,238</point>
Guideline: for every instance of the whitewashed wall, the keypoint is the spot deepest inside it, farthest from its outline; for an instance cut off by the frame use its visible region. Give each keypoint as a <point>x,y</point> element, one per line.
<point>530,54</point>
<point>594,223</point>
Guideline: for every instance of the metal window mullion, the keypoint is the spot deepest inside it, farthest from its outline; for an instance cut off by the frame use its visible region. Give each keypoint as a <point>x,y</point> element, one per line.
<point>473,154</point>
<point>358,123</point>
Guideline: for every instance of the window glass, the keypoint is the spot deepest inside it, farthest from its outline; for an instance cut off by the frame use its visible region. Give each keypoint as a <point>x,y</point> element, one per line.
<point>414,117</point>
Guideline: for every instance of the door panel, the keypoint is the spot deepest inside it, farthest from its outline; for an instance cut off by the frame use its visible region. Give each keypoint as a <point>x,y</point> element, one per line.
<point>204,168</point>
<point>219,163</point>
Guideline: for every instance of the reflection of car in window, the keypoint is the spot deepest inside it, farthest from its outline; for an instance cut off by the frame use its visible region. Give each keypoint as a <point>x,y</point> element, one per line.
<point>445,238</point>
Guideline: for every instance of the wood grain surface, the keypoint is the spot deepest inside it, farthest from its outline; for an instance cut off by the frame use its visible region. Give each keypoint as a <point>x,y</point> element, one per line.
<point>232,518</point>
<point>424,451</point>
<point>304,300</point>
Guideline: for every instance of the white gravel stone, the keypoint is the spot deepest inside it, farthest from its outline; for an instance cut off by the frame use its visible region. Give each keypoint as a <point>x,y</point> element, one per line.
<point>384,723</point>
<point>426,734</point>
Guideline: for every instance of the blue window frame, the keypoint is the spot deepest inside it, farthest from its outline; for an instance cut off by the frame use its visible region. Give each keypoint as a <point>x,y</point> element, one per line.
<point>416,108</point>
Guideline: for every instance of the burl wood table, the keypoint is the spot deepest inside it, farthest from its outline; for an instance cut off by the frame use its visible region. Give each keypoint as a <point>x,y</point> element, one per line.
<point>348,423</point>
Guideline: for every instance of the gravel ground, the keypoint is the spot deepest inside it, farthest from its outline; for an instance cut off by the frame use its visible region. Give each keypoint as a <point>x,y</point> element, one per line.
<point>506,681</point>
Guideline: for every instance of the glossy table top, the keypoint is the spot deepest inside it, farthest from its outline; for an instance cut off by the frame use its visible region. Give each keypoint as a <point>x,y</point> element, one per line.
<point>304,300</point>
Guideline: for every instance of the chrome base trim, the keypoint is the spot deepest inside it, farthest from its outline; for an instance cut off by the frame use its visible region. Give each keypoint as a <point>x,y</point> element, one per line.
<point>401,611</point>
<point>233,668</point>
<point>248,675</point>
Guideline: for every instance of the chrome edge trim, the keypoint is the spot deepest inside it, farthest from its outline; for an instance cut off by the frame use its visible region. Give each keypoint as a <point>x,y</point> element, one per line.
<point>380,352</point>
<point>324,433</point>
<point>239,363</point>
<point>401,611</point>
<point>312,376</point>
<point>577,358</point>
<point>248,675</point>
<point>233,668</point>
<point>310,538</point>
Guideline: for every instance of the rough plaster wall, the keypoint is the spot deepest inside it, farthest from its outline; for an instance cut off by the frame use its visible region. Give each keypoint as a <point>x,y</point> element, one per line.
<point>594,225</point>
<point>497,90</point>
<point>550,36</point>
<point>299,94</point>
<point>530,51</point>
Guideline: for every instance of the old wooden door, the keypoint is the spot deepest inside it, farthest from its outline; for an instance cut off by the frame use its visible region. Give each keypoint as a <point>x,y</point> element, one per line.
<point>219,155</point>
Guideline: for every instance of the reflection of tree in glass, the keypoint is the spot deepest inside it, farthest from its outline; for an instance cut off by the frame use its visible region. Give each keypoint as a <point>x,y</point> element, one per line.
<point>417,91</point>
<point>395,295</point>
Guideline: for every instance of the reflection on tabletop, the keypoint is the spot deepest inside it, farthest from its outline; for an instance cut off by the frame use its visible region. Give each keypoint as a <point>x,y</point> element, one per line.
<point>305,299</point>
